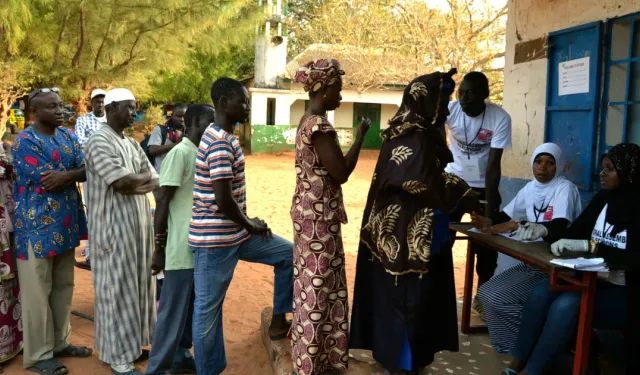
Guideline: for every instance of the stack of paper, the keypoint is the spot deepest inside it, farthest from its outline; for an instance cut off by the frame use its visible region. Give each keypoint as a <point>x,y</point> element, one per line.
<point>511,236</point>
<point>582,264</point>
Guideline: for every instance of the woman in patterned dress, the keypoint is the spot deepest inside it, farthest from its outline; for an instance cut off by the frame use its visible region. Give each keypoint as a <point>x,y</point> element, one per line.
<point>319,333</point>
<point>404,306</point>
<point>10,312</point>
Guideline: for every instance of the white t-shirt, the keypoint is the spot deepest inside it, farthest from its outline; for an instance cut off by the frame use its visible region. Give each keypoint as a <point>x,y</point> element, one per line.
<point>561,202</point>
<point>492,129</point>
<point>602,234</point>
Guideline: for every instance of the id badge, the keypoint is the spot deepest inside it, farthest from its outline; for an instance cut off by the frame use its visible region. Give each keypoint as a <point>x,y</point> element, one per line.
<point>471,169</point>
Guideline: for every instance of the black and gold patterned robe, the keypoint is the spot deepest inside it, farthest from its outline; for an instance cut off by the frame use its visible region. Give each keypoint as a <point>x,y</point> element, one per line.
<point>404,277</point>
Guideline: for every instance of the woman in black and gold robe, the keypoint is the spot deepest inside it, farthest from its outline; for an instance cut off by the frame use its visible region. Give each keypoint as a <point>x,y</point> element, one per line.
<point>405,302</point>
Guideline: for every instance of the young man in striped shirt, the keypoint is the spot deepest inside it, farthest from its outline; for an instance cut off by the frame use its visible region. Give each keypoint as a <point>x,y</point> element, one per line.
<point>220,233</point>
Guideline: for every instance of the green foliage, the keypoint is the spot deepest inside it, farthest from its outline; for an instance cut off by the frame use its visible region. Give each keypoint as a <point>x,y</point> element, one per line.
<point>193,84</point>
<point>79,45</point>
<point>153,116</point>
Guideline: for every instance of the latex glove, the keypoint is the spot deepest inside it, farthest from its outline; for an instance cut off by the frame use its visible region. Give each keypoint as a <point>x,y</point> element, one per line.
<point>531,232</point>
<point>578,246</point>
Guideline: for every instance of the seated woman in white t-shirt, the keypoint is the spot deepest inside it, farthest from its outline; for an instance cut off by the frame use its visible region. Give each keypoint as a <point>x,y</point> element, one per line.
<point>610,228</point>
<point>544,208</point>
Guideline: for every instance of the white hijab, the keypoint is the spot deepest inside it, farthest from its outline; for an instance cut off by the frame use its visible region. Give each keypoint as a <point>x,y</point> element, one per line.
<point>540,202</point>
<point>543,193</point>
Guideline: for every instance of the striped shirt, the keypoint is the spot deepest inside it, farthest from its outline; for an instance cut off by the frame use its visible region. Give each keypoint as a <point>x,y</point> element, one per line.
<point>220,157</point>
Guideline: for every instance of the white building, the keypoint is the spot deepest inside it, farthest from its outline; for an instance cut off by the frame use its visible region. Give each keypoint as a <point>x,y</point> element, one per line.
<point>277,104</point>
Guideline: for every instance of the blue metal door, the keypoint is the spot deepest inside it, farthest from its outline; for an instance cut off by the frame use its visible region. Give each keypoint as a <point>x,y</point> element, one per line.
<point>571,119</point>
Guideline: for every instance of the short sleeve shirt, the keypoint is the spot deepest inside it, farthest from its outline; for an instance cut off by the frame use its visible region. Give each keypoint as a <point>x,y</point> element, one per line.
<point>155,139</point>
<point>602,233</point>
<point>87,125</point>
<point>178,170</point>
<point>52,222</point>
<point>220,157</point>
<point>474,137</point>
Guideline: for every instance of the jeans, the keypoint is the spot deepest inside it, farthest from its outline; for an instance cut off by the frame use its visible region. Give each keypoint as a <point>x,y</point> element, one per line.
<point>487,259</point>
<point>213,272</point>
<point>172,336</point>
<point>550,321</point>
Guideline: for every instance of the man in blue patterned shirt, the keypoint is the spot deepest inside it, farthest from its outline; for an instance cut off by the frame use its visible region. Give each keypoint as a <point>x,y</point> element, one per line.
<point>49,224</point>
<point>85,127</point>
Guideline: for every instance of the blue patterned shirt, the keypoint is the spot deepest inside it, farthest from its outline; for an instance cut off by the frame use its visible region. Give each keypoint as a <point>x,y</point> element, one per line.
<point>54,222</point>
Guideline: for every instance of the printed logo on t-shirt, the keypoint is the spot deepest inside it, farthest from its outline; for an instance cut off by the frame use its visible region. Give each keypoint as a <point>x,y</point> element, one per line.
<point>471,149</point>
<point>485,135</point>
<point>548,215</point>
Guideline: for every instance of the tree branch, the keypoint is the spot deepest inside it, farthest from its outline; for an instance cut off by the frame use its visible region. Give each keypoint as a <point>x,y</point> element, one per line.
<point>75,62</point>
<point>96,62</point>
<point>60,36</point>
<point>501,13</point>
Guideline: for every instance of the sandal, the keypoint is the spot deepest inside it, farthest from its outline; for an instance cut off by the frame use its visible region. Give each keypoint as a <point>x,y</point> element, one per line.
<point>73,351</point>
<point>131,371</point>
<point>144,356</point>
<point>283,335</point>
<point>188,366</point>
<point>509,371</point>
<point>49,367</point>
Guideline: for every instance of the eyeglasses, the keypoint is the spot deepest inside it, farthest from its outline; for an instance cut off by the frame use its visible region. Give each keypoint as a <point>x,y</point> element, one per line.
<point>35,93</point>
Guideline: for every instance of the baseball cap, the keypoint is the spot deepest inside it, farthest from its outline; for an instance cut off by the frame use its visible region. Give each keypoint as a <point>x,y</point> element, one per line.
<point>98,92</point>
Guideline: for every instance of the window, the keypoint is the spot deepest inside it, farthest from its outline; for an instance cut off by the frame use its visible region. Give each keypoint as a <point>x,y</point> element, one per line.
<point>271,111</point>
<point>621,95</point>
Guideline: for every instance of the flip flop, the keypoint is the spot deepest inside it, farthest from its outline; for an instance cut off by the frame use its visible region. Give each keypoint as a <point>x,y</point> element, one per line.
<point>188,366</point>
<point>281,336</point>
<point>49,367</point>
<point>144,356</point>
<point>73,351</point>
<point>130,372</point>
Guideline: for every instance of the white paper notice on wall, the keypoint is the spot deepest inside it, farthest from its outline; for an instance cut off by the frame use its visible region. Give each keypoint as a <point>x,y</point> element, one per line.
<point>574,77</point>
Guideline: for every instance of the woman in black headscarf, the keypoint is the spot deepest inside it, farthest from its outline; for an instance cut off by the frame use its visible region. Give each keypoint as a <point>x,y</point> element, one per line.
<point>609,228</point>
<point>404,299</point>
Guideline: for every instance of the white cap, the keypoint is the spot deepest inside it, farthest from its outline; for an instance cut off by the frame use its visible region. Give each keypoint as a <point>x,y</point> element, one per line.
<point>98,92</point>
<point>118,95</point>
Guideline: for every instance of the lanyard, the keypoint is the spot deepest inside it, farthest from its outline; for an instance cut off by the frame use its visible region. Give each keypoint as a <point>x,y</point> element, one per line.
<point>466,140</point>
<point>539,211</point>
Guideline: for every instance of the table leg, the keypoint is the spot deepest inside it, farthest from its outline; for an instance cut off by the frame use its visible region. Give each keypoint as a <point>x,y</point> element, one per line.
<point>465,324</point>
<point>587,301</point>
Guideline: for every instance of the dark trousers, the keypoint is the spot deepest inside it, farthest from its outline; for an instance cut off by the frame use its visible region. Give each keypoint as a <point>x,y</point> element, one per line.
<point>172,336</point>
<point>487,260</point>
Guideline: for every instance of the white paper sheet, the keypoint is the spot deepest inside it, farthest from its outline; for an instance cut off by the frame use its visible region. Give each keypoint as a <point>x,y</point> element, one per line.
<point>506,235</point>
<point>583,264</point>
<point>574,77</point>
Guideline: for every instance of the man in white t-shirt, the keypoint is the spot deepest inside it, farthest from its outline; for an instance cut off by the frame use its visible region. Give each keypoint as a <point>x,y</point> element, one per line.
<point>478,132</point>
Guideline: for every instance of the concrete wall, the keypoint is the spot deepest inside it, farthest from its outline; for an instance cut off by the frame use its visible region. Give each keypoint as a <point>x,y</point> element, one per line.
<point>343,116</point>
<point>388,111</point>
<point>525,83</point>
<point>296,111</point>
<point>290,104</point>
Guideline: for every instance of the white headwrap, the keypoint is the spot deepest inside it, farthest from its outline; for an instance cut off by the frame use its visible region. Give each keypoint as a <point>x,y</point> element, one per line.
<point>118,95</point>
<point>541,202</point>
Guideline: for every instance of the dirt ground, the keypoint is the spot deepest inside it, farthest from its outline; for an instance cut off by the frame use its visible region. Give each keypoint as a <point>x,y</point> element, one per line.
<point>270,184</point>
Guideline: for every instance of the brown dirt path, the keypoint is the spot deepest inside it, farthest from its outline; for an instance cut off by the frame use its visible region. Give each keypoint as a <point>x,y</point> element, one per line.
<point>270,181</point>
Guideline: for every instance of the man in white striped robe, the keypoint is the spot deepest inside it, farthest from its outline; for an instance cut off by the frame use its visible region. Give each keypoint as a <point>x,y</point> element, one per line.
<point>119,176</point>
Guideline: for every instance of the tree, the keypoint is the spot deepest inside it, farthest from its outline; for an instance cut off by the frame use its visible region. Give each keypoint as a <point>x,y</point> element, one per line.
<point>193,84</point>
<point>393,41</point>
<point>78,45</point>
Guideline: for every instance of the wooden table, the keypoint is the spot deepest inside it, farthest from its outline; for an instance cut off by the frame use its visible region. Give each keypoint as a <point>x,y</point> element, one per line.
<point>537,254</point>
